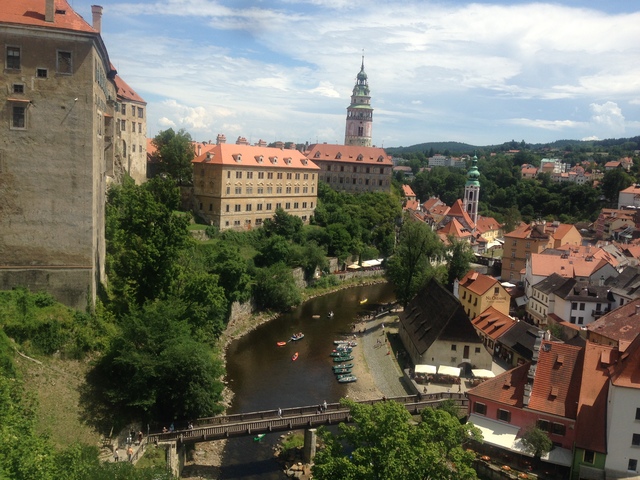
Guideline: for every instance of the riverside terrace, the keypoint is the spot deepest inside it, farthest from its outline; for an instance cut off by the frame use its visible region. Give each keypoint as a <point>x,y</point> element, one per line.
<point>244,424</point>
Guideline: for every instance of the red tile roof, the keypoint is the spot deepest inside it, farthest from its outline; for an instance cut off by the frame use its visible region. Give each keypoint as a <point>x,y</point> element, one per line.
<point>506,388</point>
<point>126,92</point>
<point>456,229</point>
<point>493,323</point>
<point>348,154</point>
<point>477,283</point>
<point>32,12</point>
<point>627,372</point>
<point>556,385</point>
<point>408,192</point>
<point>254,156</point>
<point>621,325</point>
<point>592,405</point>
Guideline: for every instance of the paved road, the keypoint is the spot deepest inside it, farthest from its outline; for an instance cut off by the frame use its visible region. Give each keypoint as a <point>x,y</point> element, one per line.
<point>384,368</point>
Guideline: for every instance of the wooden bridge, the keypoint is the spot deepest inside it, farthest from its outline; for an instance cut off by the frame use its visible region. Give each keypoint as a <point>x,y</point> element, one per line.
<point>254,423</point>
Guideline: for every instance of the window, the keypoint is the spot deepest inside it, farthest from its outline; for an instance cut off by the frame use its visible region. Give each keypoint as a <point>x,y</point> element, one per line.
<point>139,127</point>
<point>259,207</point>
<point>278,205</point>
<point>543,425</point>
<point>133,147</point>
<point>581,306</point>
<point>269,190</point>
<point>211,207</point>
<point>589,456</point>
<point>477,349</point>
<point>504,415</point>
<point>236,208</point>
<point>238,174</point>
<point>124,109</point>
<point>464,294</point>
<point>249,175</point>
<point>123,125</point>
<point>305,190</point>
<point>454,347</point>
<point>297,177</point>
<point>18,88</point>
<point>268,206</point>
<point>133,127</point>
<point>480,408</point>
<point>248,209</point>
<point>228,190</point>
<point>140,112</point>
<point>260,190</point>
<point>496,290</point>
<point>288,190</point>
<point>227,209</point>
<point>13,58</point>
<point>637,413</point>
<point>279,176</point>
<point>260,175</point>
<point>632,465</point>
<point>295,205</point>
<point>269,175</point>
<point>304,204</point>
<point>288,176</point>
<point>19,117</point>
<point>249,190</point>
<point>306,176</point>
<point>635,440</point>
<point>296,190</point>
<point>287,206</point>
<point>41,73</point>
<point>558,429</point>
<point>64,63</point>
<point>278,189</point>
<point>238,190</point>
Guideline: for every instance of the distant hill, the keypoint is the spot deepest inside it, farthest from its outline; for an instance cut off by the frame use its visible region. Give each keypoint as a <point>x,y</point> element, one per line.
<point>456,148</point>
<point>438,147</point>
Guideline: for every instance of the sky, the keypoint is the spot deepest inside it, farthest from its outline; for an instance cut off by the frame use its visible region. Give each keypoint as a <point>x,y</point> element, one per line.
<point>483,72</point>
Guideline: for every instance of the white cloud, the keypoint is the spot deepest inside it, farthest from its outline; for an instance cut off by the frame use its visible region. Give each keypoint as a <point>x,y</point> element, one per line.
<point>283,68</point>
<point>591,138</point>
<point>166,123</point>
<point>609,116</point>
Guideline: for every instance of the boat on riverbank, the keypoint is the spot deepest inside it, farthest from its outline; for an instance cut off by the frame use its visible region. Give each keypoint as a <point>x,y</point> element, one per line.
<point>340,353</point>
<point>364,301</point>
<point>342,370</point>
<point>342,365</point>
<point>342,359</point>
<point>349,343</point>
<point>281,344</point>
<point>294,357</point>
<point>297,336</point>
<point>347,378</point>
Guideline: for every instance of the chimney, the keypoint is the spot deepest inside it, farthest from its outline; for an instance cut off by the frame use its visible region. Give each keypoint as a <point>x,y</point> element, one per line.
<point>96,12</point>
<point>221,139</point>
<point>199,149</point>
<point>637,309</point>
<point>49,9</point>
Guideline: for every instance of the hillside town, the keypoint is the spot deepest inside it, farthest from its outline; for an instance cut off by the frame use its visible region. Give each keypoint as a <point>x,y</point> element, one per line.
<point>555,305</point>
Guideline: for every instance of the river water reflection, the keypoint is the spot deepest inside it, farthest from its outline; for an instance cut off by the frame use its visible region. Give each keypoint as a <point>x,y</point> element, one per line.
<point>263,376</point>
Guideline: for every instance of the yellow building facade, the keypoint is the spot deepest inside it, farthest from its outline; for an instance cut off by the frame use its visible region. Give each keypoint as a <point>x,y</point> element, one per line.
<point>477,292</point>
<point>238,186</point>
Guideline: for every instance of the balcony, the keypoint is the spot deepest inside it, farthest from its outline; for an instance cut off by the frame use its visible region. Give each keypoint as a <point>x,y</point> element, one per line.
<point>598,313</point>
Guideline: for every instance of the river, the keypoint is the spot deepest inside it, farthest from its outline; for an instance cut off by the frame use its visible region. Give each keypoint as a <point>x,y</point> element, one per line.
<point>263,376</point>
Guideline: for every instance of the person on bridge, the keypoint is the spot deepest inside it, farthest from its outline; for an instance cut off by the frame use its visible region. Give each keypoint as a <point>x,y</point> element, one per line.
<point>325,405</point>
<point>280,412</point>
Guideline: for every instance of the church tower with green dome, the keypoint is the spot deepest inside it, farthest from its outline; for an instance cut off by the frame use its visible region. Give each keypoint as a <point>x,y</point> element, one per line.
<point>472,191</point>
<point>359,113</point>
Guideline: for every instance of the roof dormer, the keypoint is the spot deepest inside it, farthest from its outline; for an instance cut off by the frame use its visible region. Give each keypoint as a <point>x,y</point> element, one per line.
<point>258,158</point>
<point>381,158</point>
<point>274,160</point>
<point>237,157</point>
<point>338,155</point>
<point>360,158</point>
<point>287,160</point>
<point>317,155</point>
<point>304,161</point>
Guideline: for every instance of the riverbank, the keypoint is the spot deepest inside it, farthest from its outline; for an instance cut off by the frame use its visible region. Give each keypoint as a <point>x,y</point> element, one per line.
<point>207,458</point>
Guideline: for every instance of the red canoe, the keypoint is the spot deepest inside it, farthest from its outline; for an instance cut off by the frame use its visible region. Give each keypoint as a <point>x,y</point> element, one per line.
<point>295,356</point>
<point>282,344</point>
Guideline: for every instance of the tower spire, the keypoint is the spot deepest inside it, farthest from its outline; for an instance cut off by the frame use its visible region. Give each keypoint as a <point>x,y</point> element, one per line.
<point>359,113</point>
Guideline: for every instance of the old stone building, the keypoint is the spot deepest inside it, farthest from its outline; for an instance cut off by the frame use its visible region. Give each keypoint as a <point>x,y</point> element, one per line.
<point>351,168</point>
<point>57,148</point>
<point>238,186</point>
<point>131,123</point>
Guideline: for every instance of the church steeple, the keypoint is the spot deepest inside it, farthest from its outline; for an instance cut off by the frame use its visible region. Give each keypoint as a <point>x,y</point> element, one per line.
<point>359,113</point>
<point>472,191</point>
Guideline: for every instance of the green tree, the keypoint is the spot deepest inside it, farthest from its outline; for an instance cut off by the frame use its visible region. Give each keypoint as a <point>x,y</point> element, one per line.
<point>144,239</point>
<point>410,267</point>
<point>460,258</point>
<point>155,369</point>
<point>536,441</point>
<point>283,224</point>
<point>175,153</point>
<point>224,260</point>
<point>275,288</point>
<point>614,181</point>
<point>384,443</point>
<point>273,250</point>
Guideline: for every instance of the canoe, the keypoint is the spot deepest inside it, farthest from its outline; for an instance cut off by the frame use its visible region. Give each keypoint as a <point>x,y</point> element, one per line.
<point>348,379</point>
<point>315,316</point>
<point>342,353</point>
<point>341,370</point>
<point>343,348</point>
<point>343,365</point>
<point>295,357</point>
<point>342,359</point>
<point>297,336</point>
<point>281,344</point>
<point>364,301</point>
<point>259,437</point>
<point>349,343</point>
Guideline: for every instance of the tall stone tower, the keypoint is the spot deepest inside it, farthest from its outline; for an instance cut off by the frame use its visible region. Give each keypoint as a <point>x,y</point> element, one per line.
<point>472,191</point>
<point>359,113</point>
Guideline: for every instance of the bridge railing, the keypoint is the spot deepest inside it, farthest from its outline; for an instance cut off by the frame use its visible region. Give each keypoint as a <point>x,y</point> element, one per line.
<point>252,423</point>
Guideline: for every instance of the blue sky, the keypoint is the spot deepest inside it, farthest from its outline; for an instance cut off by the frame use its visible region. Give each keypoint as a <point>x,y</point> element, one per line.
<point>481,72</point>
